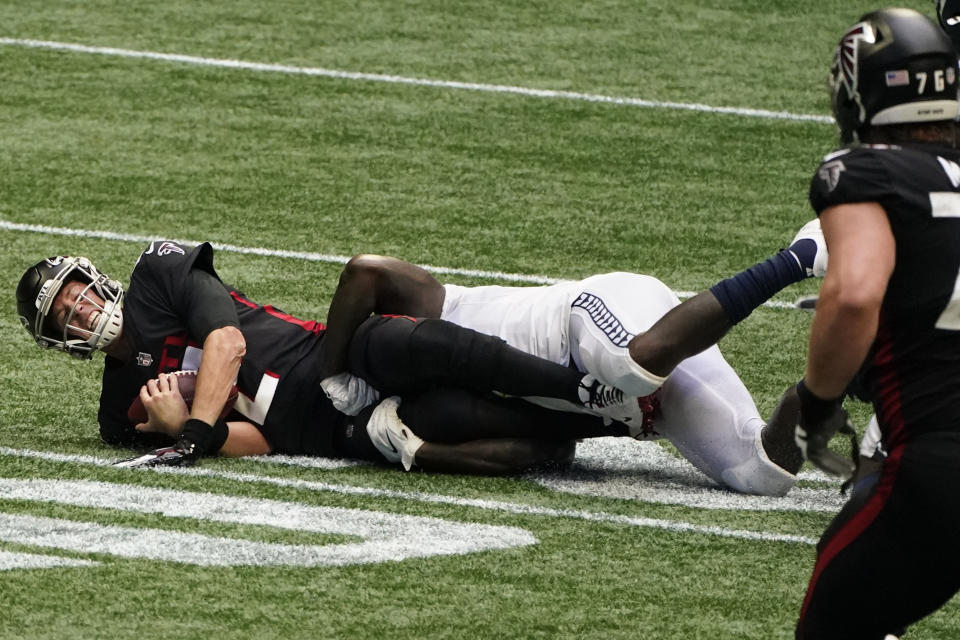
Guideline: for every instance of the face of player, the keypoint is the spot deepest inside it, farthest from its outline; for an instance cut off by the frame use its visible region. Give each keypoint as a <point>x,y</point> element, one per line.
<point>79,307</point>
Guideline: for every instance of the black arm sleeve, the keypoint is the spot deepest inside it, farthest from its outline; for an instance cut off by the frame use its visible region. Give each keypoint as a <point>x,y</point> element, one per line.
<point>206,305</point>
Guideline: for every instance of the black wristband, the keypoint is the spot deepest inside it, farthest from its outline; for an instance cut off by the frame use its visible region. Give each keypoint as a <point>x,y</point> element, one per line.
<point>206,438</point>
<point>813,408</point>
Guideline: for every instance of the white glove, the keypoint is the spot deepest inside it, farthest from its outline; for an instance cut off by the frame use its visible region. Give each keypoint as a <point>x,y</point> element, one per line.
<point>388,432</point>
<point>348,393</point>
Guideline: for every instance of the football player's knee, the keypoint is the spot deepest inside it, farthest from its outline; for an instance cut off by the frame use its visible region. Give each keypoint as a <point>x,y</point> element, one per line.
<point>363,265</point>
<point>755,474</point>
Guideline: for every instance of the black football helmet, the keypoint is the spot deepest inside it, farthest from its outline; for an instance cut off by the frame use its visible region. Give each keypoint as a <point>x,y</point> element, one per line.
<point>38,289</point>
<point>894,66</point>
<point>948,13</point>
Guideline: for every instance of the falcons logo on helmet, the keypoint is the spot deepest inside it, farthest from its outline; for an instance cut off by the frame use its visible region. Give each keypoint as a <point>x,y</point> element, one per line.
<point>845,61</point>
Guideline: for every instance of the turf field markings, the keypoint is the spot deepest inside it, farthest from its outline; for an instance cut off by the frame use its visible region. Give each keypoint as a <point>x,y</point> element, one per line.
<point>264,252</point>
<point>14,560</point>
<point>308,462</point>
<point>383,536</point>
<point>626,469</point>
<point>308,256</point>
<point>432,498</point>
<point>421,82</point>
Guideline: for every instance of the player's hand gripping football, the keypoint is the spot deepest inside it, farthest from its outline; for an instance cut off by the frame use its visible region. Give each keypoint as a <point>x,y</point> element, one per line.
<point>819,421</point>
<point>182,454</point>
<point>164,406</point>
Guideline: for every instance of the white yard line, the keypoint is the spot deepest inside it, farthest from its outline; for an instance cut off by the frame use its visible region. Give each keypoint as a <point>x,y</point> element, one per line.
<point>261,251</point>
<point>6,225</point>
<point>417,496</point>
<point>421,82</point>
<point>372,77</point>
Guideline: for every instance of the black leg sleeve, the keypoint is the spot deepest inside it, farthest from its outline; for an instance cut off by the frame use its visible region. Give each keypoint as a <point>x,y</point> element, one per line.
<point>454,415</point>
<point>398,355</point>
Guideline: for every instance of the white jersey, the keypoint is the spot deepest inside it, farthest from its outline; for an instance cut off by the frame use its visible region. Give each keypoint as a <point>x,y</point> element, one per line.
<point>532,319</point>
<point>589,321</point>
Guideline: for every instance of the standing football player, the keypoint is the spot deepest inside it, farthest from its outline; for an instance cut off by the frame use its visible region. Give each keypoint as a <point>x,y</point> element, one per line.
<point>889,311</point>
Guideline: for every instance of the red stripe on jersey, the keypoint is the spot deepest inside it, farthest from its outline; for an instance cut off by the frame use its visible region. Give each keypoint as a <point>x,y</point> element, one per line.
<point>236,296</point>
<point>392,315</point>
<point>168,362</point>
<point>888,388</point>
<point>308,325</point>
<point>312,326</point>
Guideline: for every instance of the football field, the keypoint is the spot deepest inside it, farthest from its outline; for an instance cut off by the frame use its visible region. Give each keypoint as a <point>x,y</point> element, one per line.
<point>499,142</point>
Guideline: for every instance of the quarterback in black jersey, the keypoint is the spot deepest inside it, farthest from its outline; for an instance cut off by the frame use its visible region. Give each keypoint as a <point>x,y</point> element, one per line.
<point>889,314</point>
<point>173,304</point>
<point>177,315</point>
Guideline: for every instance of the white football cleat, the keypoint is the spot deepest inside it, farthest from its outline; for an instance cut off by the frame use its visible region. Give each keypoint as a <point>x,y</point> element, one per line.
<point>812,231</point>
<point>390,436</point>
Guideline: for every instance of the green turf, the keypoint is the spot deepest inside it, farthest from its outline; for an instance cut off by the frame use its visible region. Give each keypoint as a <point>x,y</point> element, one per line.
<point>553,187</point>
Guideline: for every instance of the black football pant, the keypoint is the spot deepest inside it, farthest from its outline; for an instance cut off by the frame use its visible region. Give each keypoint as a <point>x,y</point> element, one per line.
<point>401,355</point>
<point>452,416</point>
<point>892,555</point>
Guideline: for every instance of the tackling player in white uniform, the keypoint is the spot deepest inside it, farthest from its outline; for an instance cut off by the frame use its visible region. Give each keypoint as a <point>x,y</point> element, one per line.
<point>706,411</point>
<point>593,325</point>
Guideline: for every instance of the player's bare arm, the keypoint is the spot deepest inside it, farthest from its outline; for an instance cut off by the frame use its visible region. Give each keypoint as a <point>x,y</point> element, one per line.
<point>223,352</point>
<point>862,254</point>
<point>682,332</point>
<point>244,439</point>
<point>845,325</point>
<point>375,284</point>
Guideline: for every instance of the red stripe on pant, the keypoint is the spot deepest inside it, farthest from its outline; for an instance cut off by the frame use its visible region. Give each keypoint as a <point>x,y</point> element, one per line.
<point>855,526</point>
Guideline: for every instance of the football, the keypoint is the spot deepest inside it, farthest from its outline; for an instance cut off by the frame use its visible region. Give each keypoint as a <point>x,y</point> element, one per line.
<point>187,384</point>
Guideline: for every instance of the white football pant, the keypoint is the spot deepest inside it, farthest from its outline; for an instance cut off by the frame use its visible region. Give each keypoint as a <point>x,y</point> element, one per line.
<point>708,413</point>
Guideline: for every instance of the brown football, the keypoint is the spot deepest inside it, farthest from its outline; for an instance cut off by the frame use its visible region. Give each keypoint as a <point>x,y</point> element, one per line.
<point>187,384</point>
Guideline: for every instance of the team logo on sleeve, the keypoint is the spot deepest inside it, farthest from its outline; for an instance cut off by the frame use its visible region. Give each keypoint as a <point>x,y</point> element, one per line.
<point>605,320</point>
<point>830,173</point>
<point>168,247</point>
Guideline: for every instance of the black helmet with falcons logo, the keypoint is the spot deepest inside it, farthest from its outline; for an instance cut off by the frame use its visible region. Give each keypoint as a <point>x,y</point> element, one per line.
<point>894,66</point>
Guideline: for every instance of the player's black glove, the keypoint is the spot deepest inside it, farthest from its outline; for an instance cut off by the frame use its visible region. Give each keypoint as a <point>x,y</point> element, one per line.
<point>183,454</point>
<point>819,420</point>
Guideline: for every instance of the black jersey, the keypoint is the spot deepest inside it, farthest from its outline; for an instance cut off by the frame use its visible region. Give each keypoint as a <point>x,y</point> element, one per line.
<point>175,299</point>
<point>913,372</point>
